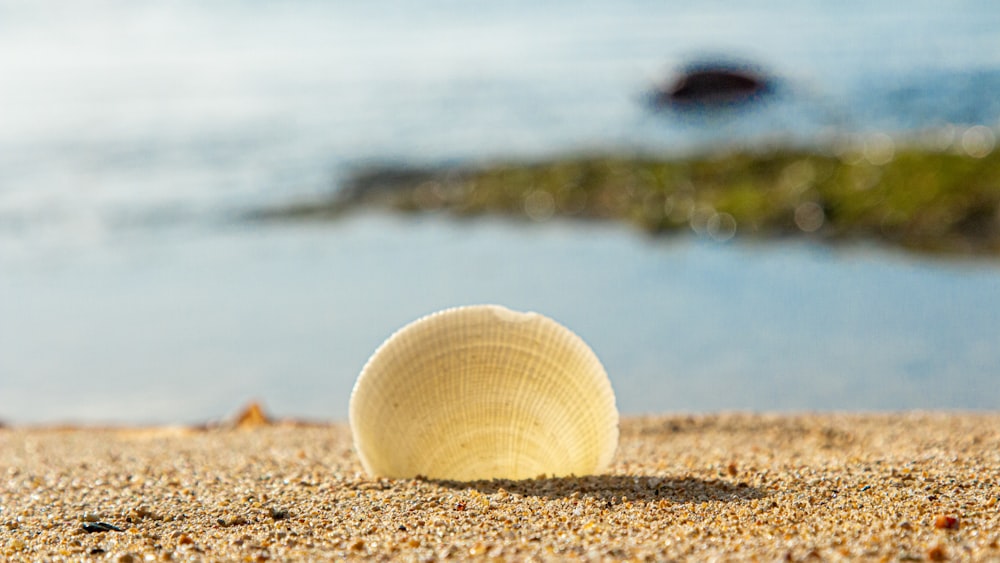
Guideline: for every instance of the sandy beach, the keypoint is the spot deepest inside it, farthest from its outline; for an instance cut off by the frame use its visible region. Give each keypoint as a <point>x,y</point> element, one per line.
<point>879,487</point>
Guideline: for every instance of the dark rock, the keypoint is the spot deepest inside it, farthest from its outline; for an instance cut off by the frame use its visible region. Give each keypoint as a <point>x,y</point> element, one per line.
<point>713,85</point>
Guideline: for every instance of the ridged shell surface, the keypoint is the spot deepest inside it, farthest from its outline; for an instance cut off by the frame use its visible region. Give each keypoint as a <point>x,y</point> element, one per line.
<point>483,392</point>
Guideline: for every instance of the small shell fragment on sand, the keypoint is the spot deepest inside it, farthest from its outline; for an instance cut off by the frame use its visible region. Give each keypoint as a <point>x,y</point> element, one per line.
<point>99,527</point>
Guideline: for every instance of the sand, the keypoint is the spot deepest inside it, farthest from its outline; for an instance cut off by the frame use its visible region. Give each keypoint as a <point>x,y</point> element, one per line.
<point>883,487</point>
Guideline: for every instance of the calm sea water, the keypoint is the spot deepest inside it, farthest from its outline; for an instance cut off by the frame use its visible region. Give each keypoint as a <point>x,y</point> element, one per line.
<point>132,133</point>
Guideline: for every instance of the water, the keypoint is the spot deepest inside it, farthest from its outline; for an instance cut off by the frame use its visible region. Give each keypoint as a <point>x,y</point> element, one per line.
<point>132,133</point>
<point>189,325</point>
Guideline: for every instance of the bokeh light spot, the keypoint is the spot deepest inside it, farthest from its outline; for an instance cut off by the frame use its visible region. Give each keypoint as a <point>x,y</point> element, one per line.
<point>879,149</point>
<point>797,176</point>
<point>809,216</point>
<point>721,227</point>
<point>699,218</point>
<point>539,205</point>
<point>978,141</point>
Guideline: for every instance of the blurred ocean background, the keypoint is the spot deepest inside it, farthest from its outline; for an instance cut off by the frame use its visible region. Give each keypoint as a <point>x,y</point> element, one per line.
<point>135,135</point>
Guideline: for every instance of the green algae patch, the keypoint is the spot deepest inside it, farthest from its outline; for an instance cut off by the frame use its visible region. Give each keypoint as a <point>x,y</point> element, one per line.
<point>921,200</point>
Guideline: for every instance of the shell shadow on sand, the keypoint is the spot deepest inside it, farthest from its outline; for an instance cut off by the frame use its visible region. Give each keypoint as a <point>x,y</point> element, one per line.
<point>617,488</point>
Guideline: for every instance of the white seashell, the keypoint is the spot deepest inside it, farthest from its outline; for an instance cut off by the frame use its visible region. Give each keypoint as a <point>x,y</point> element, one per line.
<point>483,392</point>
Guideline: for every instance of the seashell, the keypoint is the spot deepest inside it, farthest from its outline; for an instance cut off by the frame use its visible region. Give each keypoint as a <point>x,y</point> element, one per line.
<point>483,392</point>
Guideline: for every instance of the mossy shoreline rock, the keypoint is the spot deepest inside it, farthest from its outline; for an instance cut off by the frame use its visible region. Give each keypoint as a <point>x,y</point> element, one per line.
<point>927,201</point>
